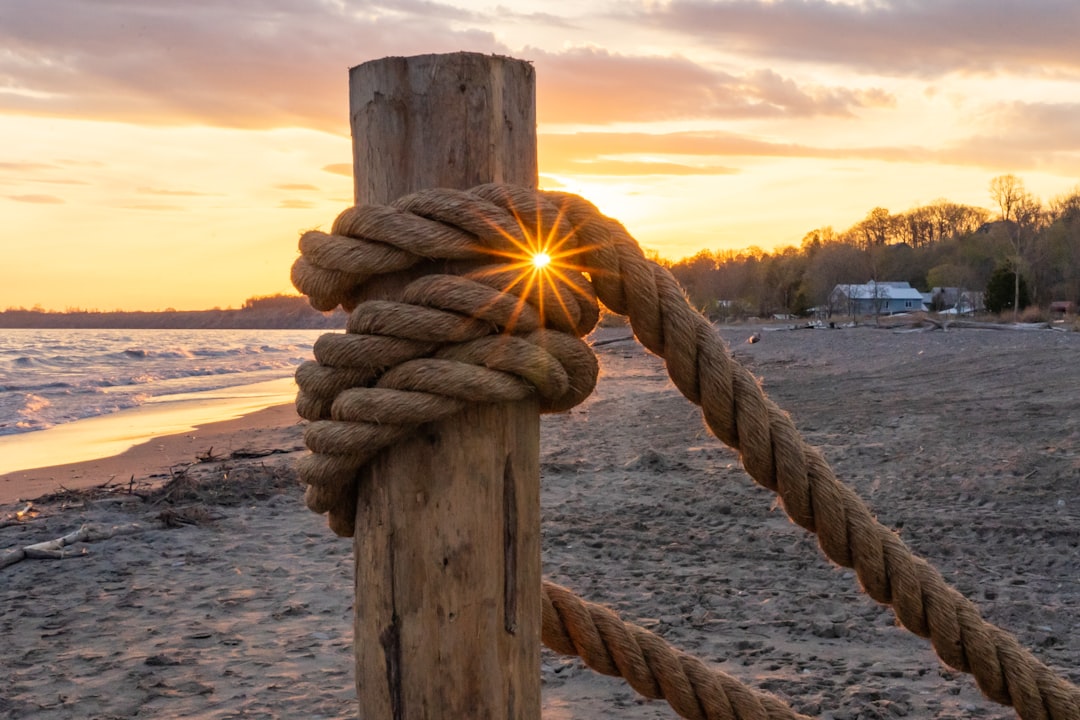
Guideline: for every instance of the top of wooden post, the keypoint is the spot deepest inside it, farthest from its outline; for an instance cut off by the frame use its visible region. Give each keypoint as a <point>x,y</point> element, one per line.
<point>431,113</point>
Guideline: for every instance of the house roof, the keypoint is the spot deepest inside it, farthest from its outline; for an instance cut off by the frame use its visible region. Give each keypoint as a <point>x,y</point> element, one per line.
<point>880,291</point>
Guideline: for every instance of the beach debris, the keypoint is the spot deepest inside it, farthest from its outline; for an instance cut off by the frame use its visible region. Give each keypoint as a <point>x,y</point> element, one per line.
<point>56,549</point>
<point>255,454</point>
<point>926,322</point>
<point>208,456</point>
<point>609,341</point>
<point>20,516</point>
<point>225,485</point>
<point>187,515</point>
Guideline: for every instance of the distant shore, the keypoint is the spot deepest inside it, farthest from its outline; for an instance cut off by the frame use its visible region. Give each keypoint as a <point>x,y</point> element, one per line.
<point>178,320</point>
<point>279,312</point>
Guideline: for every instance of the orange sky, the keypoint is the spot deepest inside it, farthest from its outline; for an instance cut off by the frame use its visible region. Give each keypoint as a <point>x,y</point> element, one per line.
<point>163,154</point>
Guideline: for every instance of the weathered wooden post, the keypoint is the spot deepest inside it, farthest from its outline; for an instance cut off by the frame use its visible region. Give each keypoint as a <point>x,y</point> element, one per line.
<point>447,612</point>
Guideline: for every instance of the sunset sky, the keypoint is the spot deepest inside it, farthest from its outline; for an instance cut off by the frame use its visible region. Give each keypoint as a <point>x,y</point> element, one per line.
<point>168,154</point>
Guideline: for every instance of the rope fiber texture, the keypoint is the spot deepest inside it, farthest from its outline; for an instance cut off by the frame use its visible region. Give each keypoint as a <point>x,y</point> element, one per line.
<point>453,335</point>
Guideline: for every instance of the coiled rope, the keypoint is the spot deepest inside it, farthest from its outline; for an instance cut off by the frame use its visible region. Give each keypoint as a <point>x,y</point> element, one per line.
<point>466,329</point>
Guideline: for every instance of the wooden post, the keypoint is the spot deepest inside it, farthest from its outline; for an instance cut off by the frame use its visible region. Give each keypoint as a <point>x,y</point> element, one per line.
<point>447,549</point>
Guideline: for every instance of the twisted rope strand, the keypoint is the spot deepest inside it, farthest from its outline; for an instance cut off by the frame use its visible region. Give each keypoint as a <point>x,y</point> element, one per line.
<point>608,645</point>
<point>734,407</point>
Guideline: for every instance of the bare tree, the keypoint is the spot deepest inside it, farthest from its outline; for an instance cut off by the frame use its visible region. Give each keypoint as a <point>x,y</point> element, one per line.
<point>1006,191</point>
<point>953,220</point>
<point>916,227</point>
<point>1017,206</point>
<point>878,228</point>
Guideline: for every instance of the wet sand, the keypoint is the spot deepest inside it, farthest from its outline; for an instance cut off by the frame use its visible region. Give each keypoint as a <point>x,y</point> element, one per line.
<point>273,428</point>
<point>109,435</point>
<point>233,601</point>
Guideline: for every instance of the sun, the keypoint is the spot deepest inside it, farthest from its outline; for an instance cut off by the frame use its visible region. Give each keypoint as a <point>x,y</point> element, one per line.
<point>543,260</point>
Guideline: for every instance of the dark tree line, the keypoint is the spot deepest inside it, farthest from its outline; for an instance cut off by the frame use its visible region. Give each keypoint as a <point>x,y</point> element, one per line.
<point>943,244</point>
<point>266,312</point>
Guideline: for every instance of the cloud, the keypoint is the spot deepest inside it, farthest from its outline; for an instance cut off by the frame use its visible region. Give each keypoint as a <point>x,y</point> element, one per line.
<point>151,207</point>
<point>892,37</point>
<point>339,169</point>
<point>173,193</point>
<point>588,85</point>
<point>602,166</point>
<point>1014,136</point>
<point>295,186</point>
<point>16,172</point>
<point>1039,126</point>
<point>247,63</point>
<point>25,167</point>
<point>569,153</point>
<point>533,19</point>
<point>283,63</point>
<point>563,151</point>
<point>1023,136</point>
<point>38,199</point>
<point>293,204</point>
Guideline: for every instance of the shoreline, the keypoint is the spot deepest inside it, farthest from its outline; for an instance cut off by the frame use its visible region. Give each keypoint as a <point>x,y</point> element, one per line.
<point>275,428</point>
<point>99,436</point>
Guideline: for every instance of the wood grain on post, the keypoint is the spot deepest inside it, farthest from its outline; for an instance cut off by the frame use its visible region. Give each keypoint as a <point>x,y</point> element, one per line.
<point>447,548</point>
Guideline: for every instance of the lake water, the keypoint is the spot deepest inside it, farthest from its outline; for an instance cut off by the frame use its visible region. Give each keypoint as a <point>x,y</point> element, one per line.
<point>50,378</point>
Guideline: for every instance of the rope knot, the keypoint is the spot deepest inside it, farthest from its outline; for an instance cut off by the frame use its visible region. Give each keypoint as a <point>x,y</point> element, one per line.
<point>447,307</point>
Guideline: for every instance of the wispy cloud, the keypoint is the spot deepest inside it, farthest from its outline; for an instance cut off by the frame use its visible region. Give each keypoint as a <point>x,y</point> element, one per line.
<point>339,169</point>
<point>571,153</point>
<point>295,187</point>
<point>25,167</point>
<point>1017,136</point>
<point>151,207</point>
<point>891,37</point>
<point>1023,136</point>
<point>293,204</point>
<point>589,85</point>
<point>172,193</point>
<point>602,166</point>
<point>37,199</point>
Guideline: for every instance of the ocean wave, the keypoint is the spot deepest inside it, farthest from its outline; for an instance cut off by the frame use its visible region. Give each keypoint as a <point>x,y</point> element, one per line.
<point>34,388</point>
<point>32,404</point>
<point>80,374</point>
<point>215,353</point>
<point>171,353</point>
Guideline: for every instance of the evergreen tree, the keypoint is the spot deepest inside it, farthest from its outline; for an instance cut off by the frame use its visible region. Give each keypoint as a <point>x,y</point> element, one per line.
<point>1001,289</point>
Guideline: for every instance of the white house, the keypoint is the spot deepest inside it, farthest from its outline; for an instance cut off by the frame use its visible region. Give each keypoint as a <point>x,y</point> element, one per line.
<point>954,300</point>
<point>876,298</point>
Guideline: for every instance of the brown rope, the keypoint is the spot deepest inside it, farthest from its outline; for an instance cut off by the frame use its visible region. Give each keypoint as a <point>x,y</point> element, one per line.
<point>610,646</point>
<point>469,228</point>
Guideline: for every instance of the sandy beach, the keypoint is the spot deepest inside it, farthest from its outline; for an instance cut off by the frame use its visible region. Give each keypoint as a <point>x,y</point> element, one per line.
<point>221,596</point>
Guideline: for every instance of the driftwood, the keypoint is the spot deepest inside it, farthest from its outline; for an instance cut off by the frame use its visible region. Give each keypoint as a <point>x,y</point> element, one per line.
<point>55,549</point>
<point>19,516</point>
<point>609,341</point>
<point>926,322</point>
